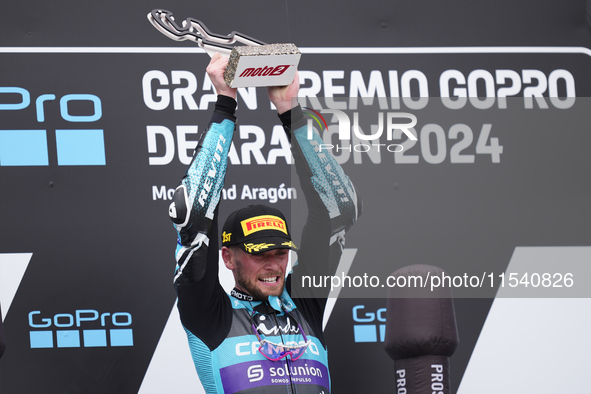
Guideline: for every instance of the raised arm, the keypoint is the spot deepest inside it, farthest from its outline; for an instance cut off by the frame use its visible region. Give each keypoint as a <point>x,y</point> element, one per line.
<point>196,198</point>
<point>333,205</point>
<point>194,213</point>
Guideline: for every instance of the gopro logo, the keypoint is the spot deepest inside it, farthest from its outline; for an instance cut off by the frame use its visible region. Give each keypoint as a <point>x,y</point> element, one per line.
<point>368,332</point>
<point>28,147</point>
<point>94,333</point>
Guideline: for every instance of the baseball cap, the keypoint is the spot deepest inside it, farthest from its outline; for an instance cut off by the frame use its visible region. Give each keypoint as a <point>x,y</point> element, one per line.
<point>257,229</point>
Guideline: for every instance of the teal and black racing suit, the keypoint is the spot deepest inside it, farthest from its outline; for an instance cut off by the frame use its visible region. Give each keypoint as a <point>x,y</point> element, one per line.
<point>219,325</point>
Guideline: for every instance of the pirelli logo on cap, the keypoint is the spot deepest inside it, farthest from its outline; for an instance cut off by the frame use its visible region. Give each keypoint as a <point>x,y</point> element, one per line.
<point>263,222</point>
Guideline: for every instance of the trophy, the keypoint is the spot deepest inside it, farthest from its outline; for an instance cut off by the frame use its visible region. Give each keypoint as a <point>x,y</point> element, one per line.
<point>252,64</point>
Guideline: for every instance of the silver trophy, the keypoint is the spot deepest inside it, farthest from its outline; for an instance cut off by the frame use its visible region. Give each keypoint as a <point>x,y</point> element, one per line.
<point>253,63</point>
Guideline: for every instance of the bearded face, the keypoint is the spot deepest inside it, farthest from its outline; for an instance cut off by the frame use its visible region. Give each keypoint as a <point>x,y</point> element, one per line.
<point>261,275</point>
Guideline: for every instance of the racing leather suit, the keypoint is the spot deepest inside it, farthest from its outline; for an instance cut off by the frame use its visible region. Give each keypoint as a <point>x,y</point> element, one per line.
<point>219,326</point>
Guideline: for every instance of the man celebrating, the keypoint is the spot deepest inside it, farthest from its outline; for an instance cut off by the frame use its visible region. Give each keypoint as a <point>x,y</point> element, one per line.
<point>257,339</point>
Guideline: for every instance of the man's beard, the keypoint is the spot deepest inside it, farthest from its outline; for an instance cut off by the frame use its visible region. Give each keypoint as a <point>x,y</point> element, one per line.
<point>251,286</point>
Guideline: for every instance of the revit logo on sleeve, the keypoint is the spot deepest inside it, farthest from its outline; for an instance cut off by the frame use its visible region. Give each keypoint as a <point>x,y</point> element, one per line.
<point>28,147</point>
